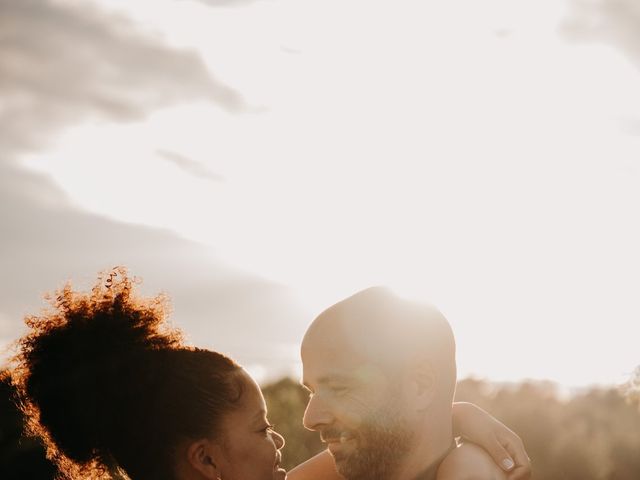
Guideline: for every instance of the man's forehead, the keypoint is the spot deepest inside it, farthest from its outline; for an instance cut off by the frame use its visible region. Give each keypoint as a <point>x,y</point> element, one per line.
<point>336,340</point>
<point>335,354</point>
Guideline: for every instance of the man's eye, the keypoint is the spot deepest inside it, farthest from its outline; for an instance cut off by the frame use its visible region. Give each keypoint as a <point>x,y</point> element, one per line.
<point>339,389</point>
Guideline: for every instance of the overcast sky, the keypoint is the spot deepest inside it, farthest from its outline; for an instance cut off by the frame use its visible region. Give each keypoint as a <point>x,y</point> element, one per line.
<point>260,160</point>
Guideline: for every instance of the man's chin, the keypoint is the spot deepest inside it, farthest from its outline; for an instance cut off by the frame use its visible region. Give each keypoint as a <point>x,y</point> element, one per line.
<point>342,466</point>
<point>347,463</point>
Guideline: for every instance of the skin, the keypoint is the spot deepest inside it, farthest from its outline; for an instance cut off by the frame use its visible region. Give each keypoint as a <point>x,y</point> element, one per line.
<point>467,462</point>
<point>346,387</point>
<point>248,448</point>
<point>477,426</point>
<point>251,449</point>
<point>498,441</point>
<point>352,384</point>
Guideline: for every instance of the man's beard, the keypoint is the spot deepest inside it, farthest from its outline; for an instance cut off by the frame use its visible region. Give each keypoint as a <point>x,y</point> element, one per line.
<point>382,443</point>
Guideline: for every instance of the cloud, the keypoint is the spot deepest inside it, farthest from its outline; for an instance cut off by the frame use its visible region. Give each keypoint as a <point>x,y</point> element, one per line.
<point>45,242</point>
<point>615,22</point>
<point>190,166</point>
<point>63,62</point>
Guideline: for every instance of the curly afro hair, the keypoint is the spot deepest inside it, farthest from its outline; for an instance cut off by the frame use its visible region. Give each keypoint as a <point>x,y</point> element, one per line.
<point>111,389</point>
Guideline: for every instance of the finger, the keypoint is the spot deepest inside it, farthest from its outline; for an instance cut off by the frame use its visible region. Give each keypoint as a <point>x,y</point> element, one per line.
<point>515,448</point>
<point>501,456</point>
<point>520,473</point>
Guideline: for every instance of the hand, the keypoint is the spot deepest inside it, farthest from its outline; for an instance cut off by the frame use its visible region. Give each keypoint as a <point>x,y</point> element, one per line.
<point>501,443</point>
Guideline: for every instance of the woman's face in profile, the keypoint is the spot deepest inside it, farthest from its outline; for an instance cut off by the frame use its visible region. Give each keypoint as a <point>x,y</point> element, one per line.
<point>252,447</point>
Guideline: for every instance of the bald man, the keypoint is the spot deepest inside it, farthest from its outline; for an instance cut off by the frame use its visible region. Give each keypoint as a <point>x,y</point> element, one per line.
<point>381,375</point>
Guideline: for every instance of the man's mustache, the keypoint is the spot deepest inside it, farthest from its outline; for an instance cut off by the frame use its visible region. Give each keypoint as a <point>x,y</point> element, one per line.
<point>335,435</point>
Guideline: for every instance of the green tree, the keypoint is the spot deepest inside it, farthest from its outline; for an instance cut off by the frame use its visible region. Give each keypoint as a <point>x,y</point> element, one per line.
<point>286,401</point>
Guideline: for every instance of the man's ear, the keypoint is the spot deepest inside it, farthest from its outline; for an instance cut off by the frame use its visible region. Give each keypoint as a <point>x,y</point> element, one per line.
<point>204,456</point>
<point>424,382</point>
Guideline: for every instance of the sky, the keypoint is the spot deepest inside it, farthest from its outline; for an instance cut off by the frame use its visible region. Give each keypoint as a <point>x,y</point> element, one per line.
<point>261,160</point>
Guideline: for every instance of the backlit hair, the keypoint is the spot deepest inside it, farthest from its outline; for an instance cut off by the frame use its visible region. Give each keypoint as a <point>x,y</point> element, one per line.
<point>111,388</point>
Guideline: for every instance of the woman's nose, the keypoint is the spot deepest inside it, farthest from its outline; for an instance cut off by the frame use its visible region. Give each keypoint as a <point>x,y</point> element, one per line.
<point>278,440</point>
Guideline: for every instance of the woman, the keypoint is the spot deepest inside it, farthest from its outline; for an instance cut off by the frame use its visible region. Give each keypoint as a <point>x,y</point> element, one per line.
<point>113,391</point>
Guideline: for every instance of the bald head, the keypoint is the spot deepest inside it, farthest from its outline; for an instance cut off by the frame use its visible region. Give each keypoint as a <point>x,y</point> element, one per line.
<point>380,371</point>
<point>378,327</point>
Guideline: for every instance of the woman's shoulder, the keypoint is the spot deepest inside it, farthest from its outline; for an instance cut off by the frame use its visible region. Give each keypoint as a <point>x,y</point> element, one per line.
<point>469,462</point>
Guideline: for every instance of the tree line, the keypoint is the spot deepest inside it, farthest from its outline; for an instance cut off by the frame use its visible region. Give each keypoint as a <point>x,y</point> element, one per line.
<point>590,435</point>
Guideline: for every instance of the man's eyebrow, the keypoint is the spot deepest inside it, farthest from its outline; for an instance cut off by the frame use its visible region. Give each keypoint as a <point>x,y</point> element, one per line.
<point>337,378</point>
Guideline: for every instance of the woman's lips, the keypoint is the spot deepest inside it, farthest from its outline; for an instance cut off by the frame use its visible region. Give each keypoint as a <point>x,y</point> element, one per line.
<point>277,468</point>
<point>280,473</point>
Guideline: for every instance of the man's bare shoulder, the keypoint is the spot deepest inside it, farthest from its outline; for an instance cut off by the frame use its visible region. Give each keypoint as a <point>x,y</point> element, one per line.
<point>470,462</point>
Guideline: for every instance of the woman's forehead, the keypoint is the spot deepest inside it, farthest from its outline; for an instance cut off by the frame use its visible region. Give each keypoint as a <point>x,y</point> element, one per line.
<point>251,397</point>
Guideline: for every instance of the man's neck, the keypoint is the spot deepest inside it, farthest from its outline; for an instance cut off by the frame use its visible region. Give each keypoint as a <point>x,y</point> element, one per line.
<point>433,443</point>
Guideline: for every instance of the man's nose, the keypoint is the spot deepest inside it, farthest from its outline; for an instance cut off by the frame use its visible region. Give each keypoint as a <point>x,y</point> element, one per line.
<point>316,414</point>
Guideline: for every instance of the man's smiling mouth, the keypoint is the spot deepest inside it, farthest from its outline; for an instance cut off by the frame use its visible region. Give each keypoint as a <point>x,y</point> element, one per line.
<point>336,444</point>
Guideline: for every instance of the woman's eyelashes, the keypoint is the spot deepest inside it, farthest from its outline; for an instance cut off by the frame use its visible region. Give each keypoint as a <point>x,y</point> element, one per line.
<point>268,428</point>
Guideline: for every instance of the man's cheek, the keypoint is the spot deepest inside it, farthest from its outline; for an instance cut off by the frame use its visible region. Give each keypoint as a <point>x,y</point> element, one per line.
<point>349,414</point>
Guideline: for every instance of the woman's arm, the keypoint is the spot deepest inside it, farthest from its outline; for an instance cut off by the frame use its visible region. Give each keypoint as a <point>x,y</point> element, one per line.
<point>502,444</point>
<point>469,462</point>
